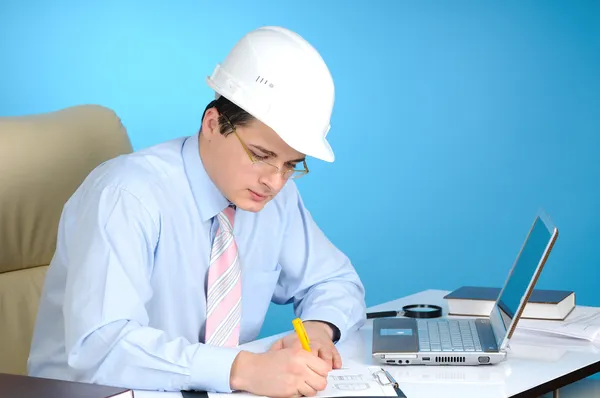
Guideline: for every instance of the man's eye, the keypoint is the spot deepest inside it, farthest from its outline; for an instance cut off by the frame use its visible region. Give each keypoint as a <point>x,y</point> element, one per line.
<point>258,156</point>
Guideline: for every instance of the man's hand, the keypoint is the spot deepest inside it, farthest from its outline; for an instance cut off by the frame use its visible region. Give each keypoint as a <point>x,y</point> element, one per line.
<point>321,344</point>
<point>287,372</point>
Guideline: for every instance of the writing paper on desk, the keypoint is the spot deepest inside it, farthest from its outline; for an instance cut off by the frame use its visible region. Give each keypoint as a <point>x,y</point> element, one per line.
<point>582,323</point>
<point>346,382</point>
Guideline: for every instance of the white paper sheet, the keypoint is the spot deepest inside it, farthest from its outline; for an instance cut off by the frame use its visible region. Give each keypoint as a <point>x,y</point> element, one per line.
<point>582,323</point>
<point>354,380</point>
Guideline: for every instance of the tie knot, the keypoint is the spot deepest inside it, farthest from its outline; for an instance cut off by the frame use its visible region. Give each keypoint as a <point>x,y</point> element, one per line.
<point>226,218</point>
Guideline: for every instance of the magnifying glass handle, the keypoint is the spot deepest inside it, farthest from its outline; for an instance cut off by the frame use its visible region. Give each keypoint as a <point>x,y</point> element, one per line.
<point>382,314</point>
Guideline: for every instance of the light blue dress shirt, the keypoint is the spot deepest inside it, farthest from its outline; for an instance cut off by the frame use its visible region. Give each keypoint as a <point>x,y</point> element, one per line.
<point>124,300</point>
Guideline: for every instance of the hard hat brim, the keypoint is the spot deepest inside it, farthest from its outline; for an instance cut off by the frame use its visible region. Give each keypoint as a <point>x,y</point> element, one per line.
<point>320,150</point>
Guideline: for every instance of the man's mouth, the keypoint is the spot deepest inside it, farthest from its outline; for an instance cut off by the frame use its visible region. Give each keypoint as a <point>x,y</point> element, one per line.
<point>257,196</point>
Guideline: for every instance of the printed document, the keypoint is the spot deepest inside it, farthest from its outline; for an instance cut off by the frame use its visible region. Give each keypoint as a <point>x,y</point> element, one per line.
<point>582,323</point>
<point>355,380</point>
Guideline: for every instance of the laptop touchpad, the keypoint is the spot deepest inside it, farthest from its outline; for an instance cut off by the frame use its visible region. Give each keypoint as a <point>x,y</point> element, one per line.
<point>395,335</point>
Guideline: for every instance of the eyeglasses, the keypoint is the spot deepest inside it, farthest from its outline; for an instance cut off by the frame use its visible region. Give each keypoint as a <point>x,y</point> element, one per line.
<point>266,167</point>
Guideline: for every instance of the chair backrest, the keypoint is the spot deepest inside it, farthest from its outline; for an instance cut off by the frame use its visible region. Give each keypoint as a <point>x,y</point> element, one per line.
<point>43,159</point>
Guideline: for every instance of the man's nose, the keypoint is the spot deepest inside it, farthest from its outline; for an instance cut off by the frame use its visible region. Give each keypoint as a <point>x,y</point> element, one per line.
<point>274,181</point>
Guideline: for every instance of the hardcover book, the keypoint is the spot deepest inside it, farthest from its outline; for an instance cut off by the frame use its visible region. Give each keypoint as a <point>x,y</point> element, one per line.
<point>542,304</point>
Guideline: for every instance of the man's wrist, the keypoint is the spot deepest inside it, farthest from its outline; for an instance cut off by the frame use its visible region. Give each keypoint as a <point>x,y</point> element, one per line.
<point>332,331</point>
<point>238,379</point>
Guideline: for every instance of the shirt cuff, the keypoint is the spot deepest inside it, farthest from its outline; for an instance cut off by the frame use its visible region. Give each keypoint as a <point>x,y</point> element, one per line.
<point>211,368</point>
<point>328,316</point>
<point>336,331</point>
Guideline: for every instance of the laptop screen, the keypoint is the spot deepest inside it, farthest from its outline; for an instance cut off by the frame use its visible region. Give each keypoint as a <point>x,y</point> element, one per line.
<point>522,276</point>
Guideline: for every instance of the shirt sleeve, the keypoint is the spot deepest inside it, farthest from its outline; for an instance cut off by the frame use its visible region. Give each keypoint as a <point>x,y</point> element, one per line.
<point>316,276</point>
<point>109,242</point>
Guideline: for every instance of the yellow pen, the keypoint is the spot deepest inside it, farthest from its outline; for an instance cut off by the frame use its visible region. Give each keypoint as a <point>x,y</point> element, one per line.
<point>301,332</point>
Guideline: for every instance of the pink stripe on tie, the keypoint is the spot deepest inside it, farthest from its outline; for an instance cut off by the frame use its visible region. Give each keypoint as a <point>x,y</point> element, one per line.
<point>222,264</point>
<point>223,300</point>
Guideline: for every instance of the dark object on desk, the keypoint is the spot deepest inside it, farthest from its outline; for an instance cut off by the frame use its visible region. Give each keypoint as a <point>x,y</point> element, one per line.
<point>198,394</point>
<point>194,394</point>
<point>410,311</point>
<point>17,386</point>
<point>542,304</point>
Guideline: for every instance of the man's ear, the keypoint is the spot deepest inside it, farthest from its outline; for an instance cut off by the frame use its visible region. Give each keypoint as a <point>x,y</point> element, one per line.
<point>210,123</point>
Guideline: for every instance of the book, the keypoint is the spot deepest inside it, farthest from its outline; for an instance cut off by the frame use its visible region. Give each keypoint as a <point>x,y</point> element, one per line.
<point>17,386</point>
<point>542,304</point>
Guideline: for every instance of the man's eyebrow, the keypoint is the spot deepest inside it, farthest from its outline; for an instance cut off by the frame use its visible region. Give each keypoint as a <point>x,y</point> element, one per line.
<point>274,155</point>
<point>265,151</point>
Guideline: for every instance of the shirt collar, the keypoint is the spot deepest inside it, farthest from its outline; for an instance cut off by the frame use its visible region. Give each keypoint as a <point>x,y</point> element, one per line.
<point>209,199</point>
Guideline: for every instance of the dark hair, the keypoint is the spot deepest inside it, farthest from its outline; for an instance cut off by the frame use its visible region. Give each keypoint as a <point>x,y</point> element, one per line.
<point>237,116</point>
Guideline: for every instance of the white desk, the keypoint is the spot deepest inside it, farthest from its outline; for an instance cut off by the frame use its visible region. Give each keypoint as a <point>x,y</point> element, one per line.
<point>534,366</point>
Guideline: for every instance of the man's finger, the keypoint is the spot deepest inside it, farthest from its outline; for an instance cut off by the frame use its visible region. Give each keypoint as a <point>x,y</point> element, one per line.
<point>307,390</point>
<point>326,355</point>
<point>318,365</point>
<point>337,359</point>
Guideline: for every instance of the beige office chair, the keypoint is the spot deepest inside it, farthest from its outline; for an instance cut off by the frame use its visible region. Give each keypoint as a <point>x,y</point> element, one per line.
<point>43,159</point>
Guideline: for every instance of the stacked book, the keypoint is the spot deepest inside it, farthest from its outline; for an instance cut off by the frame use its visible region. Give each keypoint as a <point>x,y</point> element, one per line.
<point>542,304</point>
<point>547,311</point>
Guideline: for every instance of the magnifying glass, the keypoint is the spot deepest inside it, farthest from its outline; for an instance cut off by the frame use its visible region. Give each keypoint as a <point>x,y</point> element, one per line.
<point>410,311</point>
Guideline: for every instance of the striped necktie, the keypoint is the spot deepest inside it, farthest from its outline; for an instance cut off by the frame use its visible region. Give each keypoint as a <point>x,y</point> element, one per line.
<point>224,293</point>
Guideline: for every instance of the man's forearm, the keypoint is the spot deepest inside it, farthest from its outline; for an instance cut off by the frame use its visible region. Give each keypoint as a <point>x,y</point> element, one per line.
<point>332,330</point>
<point>339,303</point>
<point>153,362</point>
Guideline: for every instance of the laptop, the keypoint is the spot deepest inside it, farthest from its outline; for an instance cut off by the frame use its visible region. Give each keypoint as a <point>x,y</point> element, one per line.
<point>469,341</point>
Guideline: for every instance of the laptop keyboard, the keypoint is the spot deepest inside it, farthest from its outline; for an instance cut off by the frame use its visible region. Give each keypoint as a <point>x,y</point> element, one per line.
<point>448,335</point>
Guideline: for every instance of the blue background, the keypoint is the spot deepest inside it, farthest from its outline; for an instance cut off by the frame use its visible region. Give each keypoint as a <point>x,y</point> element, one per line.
<point>454,121</point>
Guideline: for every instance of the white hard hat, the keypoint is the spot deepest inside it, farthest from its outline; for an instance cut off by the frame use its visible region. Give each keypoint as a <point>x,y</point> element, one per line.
<point>280,79</point>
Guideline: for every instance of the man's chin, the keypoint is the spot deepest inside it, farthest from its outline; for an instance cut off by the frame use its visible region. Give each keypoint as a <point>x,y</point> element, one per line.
<point>251,205</point>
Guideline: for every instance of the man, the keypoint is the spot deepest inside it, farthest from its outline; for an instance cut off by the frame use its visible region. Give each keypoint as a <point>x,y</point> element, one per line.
<point>167,258</point>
